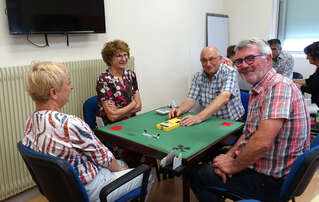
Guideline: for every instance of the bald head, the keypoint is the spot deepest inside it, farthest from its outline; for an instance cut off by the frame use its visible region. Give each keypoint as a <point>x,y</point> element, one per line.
<point>210,49</point>
<point>211,60</point>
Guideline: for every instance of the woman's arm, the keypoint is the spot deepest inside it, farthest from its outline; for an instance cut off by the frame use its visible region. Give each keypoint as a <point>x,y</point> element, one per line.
<point>114,166</point>
<point>113,113</point>
<point>137,99</point>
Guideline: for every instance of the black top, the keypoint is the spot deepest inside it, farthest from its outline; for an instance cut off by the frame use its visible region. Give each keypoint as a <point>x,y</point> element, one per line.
<point>312,87</point>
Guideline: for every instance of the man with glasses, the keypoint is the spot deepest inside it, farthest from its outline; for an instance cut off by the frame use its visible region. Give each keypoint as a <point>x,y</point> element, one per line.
<point>282,61</point>
<point>276,133</point>
<point>215,88</point>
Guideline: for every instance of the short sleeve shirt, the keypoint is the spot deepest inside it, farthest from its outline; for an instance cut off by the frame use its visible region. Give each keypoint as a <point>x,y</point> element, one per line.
<point>225,80</point>
<point>69,138</point>
<point>284,64</point>
<point>109,87</point>
<point>277,97</point>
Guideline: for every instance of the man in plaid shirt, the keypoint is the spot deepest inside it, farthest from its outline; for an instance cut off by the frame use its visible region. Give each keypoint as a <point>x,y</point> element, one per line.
<point>215,88</point>
<point>276,133</point>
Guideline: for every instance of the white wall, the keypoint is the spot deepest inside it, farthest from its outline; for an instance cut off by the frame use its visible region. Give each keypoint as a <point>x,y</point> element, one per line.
<point>165,38</point>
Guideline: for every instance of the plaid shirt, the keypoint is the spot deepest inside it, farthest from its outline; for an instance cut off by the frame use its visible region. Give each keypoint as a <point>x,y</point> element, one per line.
<point>284,64</point>
<point>69,138</point>
<point>225,80</point>
<point>277,97</point>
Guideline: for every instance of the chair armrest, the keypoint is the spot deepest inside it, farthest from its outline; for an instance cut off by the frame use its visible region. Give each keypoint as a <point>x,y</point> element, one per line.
<point>106,190</point>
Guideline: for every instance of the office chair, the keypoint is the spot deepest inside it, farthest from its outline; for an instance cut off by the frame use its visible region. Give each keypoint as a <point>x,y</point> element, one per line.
<point>58,181</point>
<point>297,75</point>
<point>294,184</point>
<point>90,107</point>
<point>315,141</point>
<point>244,96</point>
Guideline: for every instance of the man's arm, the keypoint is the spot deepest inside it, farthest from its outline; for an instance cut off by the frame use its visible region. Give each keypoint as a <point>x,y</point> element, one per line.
<point>213,107</point>
<point>187,105</point>
<point>260,142</point>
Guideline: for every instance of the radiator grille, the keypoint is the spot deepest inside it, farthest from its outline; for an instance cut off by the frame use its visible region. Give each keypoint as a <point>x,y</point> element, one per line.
<point>15,107</point>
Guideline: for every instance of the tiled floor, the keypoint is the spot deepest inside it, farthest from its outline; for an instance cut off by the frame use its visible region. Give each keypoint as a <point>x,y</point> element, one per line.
<point>173,192</point>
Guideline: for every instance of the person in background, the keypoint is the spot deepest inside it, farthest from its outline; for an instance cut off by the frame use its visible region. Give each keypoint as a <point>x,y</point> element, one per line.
<point>282,61</point>
<point>52,132</point>
<point>216,90</point>
<point>278,120</point>
<point>243,85</point>
<point>117,92</point>
<point>230,56</point>
<point>311,84</point>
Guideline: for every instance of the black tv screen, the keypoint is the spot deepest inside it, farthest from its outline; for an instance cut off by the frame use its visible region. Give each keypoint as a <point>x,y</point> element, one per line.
<point>56,16</point>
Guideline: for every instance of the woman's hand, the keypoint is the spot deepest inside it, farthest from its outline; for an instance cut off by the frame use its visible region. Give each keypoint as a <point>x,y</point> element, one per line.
<point>299,82</point>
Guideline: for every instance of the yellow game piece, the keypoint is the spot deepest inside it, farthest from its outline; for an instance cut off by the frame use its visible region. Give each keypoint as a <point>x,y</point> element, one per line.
<point>169,124</point>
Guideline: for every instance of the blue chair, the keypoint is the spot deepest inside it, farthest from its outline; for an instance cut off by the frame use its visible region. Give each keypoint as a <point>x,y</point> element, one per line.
<point>90,107</point>
<point>59,182</point>
<point>295,183</point>
<point>315,141</point>
<point>244,96</point>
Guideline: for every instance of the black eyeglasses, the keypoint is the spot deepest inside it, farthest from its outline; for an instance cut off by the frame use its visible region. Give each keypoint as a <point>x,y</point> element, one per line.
<point>250,59</point>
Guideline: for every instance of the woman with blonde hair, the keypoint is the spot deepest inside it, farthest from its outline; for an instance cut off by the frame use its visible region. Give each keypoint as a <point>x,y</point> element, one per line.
<point>65,136</point>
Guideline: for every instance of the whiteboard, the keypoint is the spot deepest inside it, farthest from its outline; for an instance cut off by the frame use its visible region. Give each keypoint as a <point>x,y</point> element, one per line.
<point>217,32</point>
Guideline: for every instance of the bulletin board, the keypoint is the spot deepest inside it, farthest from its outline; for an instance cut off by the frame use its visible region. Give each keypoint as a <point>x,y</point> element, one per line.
<point>217,32</point>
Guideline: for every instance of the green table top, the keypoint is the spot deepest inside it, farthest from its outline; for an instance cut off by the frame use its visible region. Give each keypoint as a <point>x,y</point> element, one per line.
<point>195,137</point>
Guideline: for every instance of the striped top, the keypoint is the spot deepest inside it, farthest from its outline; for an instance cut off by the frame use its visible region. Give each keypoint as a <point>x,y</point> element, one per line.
<point>277,97</point>
<point>69,138</point>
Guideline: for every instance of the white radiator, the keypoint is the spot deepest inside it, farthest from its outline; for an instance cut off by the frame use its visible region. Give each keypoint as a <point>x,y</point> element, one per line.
<point>15,107</point>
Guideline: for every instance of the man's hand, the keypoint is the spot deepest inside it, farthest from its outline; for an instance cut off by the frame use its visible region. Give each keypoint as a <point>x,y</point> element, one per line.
<point>174,113</point>
<point>221,174</point>
<point>224,162</point>
<point>190,120</point>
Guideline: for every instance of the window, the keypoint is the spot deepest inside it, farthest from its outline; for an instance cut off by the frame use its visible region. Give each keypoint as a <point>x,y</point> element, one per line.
<point>298,24</point>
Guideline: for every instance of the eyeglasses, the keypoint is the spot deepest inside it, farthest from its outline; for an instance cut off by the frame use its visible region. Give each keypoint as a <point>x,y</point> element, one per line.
<point>250,59</point>
<point>205,60</point>
<point>119,56</point>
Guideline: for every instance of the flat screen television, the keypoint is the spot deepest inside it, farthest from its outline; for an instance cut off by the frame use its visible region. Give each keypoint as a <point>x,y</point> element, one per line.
<point>56,16</point>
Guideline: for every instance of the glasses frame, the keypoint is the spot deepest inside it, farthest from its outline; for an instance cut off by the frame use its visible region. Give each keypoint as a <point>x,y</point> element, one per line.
<point>249,59</point>
<point>205,60</point>
<point>119,56</point>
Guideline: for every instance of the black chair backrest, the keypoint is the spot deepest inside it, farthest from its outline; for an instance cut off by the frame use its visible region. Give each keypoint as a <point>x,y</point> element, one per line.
<point>56,178</point>
<point>300,175</point>
<point>297,75</point>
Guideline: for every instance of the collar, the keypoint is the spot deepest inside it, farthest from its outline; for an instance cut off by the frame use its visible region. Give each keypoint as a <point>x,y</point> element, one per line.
<point>262,85</point>
<point>216,74</point>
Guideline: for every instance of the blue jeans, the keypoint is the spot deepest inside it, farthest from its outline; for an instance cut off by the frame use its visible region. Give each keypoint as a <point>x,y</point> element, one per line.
<point>247,182</point>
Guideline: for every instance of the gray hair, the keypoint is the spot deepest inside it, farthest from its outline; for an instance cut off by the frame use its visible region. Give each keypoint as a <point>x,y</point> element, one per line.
<point>263,47</point>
